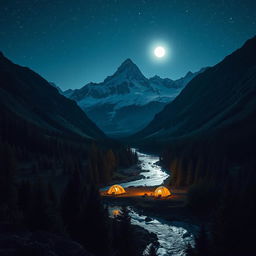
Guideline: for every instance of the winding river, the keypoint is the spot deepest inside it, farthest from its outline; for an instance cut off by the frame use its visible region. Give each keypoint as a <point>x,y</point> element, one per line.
<point>152,173</point>
<point>173,236</point>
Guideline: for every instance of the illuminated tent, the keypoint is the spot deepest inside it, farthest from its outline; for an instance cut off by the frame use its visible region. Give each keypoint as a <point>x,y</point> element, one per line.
<point>116,212</point>
<point>162,192</point>
<point>116,190</point>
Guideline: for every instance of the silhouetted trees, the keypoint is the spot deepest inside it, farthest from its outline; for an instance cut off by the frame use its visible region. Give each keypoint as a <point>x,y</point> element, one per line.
<point>221,176</point>
<point>201,243</point>
<point>47,150</point>
<point>93,226</point>
<point>71,201</point>
<point>8,192</point>
<point>102,164</point>
<point>78,212</point>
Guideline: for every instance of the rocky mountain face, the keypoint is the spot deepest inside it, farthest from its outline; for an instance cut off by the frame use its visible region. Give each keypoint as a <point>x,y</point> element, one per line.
<point>127,101</point>
<point>221,100</point>
<point>25,94</point>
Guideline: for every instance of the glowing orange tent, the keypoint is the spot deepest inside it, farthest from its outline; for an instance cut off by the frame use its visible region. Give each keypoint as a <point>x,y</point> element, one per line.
<point>116,212</point>
<point>116,190</point>
<point>162,192</point>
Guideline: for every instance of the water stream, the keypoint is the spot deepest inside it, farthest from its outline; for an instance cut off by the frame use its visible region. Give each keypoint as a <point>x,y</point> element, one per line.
<point>172,236</point>
<point>152,173</point>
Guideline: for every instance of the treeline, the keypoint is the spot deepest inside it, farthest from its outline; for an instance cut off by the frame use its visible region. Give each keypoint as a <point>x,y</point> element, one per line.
<point>28,152</point>
<point>220,173</point>
<point>30,140</point>
<point>77,213</point>
<point>39,150</point>
<point>191,162</point>
<point>102,164</point>
<point>230,207</point>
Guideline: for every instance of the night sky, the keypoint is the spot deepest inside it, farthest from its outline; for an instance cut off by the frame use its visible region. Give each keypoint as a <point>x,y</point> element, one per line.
<point>75,42</point>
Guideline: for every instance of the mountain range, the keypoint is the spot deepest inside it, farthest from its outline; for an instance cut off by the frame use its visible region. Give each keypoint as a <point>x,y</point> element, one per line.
<point>213,100</point>
<point>220,102</point>
<point>127,101</point>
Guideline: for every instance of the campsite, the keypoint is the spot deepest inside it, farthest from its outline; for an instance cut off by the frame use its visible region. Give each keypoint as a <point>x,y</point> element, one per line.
<point>153,203</point>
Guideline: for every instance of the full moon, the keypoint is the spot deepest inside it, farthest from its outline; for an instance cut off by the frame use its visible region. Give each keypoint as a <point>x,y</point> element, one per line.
<point>159,51</point>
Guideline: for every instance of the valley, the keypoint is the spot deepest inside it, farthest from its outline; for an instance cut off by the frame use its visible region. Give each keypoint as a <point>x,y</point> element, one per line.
<point>131,165</point>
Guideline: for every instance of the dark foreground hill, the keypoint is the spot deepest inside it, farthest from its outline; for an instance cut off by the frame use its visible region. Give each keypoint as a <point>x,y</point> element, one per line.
<point>25,94</point>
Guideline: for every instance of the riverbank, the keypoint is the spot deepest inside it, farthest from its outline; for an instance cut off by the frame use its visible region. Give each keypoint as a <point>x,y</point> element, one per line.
<point>168,218</point>
<point>173,235</point>
<point>123,175</point>
<point>142,238</point>
<point>173,208</point>
<point>146,173</point>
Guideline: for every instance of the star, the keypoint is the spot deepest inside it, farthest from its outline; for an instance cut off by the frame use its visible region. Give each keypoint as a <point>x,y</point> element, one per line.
<point>231,20</point>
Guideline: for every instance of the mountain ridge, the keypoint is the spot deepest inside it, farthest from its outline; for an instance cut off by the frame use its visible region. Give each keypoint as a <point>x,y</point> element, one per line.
<point>226,99</point>
<point>28,95</point>
<point>126,101</point>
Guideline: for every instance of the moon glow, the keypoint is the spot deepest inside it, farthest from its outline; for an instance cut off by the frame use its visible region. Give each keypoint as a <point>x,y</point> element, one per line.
<point>159,51</point>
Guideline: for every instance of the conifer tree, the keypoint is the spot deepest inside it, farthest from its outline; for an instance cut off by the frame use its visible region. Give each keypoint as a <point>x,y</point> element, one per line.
<point>71,200</point>
<point>93,225</point>
<point>201,243</point>
<point>52,195</point>
<point>24,198</point>
<point>42,215</point>
<point>8,193</point>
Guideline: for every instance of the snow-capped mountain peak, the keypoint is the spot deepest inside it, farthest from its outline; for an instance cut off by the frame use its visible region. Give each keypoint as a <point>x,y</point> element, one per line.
<point>130,69</point>
<point>158,81</point>
<point>126,101</point>
<point>127,72</point>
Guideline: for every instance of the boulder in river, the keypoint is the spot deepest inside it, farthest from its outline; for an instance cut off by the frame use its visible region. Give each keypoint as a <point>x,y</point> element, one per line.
<point>148,219</point>
<point>186,234</point>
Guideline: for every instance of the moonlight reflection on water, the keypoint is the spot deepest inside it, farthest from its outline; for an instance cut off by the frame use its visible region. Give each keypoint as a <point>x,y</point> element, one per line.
<point>173,237</point>
<point>153,174</point>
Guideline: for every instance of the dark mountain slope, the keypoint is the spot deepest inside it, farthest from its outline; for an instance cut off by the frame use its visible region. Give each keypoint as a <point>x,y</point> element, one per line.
<point>222,95</point>
<point>32,98</point>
